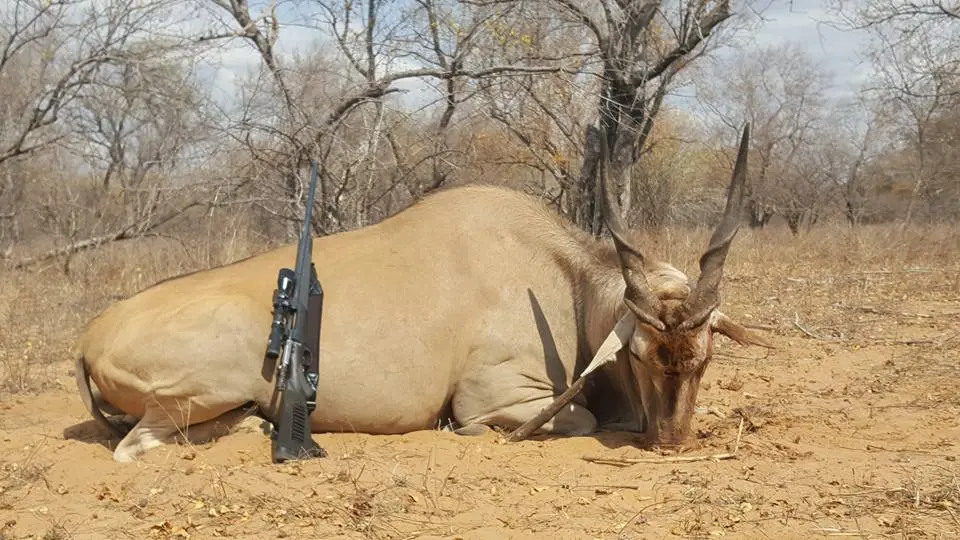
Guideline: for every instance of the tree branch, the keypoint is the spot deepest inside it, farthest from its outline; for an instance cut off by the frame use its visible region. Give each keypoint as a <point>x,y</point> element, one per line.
<point>586,20</point>
<point>694,38</point>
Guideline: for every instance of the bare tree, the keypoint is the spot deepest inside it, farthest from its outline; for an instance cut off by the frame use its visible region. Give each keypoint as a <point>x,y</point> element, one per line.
<point>643,45</point>
<point>915,50</point>
<point>136,131</point>
<point>781,91</point>
<point>876,13</point>
<point>918,82</point>
<point>671,182</point>
<point>854,143</point>
<point>384,46</point>
<point>542,117</point>
<point>636,51</point>
<point>63,45</point>
<point>57,58</point>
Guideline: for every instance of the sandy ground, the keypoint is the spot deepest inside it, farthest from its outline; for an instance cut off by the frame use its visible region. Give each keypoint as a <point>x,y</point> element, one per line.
<point>849,429</point>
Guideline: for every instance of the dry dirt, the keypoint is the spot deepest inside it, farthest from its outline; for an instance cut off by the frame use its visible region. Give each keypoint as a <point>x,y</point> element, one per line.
<point>849,429</point>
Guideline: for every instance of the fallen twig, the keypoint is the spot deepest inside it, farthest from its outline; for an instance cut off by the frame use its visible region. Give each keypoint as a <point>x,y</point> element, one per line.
<point>670,459</point>
<point>904,271</point>
<point>873,492</point>
<point>761,326</point>
<point>942,342</point>
<point>914,341</point>
<point>605,486</point>
<point>808,333</point>
<point>716,412</point>
<point>954,516</point>
<point>881,311</point>
<point>838,532</point>
<point>721,354</point>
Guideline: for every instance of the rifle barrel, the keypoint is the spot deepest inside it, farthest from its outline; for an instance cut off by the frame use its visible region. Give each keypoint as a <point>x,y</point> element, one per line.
<point>302,271</point>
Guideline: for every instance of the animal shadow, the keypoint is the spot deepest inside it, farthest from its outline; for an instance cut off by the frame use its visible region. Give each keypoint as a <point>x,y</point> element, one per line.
<point>612,437</point>
<point>91,432</point>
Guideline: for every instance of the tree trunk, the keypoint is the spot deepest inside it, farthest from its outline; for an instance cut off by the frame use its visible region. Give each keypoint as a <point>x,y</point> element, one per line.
<point>586,198</point>
<point>794,219</point>
<point>759,214</point>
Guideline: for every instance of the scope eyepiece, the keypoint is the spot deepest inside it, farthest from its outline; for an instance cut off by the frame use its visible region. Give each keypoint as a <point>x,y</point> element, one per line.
<point>285,281</point>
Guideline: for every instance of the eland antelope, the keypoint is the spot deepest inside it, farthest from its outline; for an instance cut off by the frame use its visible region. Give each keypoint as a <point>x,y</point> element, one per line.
<point>477,303</point>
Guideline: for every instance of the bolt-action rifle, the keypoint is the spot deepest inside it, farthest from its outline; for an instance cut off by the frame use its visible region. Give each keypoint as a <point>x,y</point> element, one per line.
<point>295,340</point>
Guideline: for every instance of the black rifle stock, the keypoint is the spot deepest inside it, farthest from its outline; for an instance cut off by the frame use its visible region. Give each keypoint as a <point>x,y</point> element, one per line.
<point>295,340</point>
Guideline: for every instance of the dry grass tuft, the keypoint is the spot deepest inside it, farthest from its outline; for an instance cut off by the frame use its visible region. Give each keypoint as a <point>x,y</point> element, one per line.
<point>930,488</point>
<point>18,478</point>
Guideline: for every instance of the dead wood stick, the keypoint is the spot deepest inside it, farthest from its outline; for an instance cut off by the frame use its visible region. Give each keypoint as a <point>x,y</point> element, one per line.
<point>808,333</point>
<point>73,248</point>
<point>604,486</point>
<point>671,459</point>
<point>761,326</point>
<point>913,341</point>
<point>954,516</point>
<point>549,412</point>
<point>668,459</point>
<point>904,271</point>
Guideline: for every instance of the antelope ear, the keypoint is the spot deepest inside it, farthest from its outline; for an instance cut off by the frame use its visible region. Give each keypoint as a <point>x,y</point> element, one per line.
<point>737,332</point>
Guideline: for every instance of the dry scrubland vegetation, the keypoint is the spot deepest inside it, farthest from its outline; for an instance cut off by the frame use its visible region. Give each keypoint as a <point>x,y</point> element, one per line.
<point>126,157</point>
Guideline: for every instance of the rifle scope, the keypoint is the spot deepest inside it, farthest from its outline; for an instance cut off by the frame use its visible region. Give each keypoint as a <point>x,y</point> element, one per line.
<point>281,307</point>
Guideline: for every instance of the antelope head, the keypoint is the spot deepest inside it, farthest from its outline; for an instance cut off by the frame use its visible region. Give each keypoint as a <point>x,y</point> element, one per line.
<point>672,340</point>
